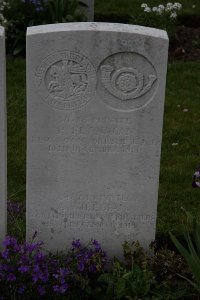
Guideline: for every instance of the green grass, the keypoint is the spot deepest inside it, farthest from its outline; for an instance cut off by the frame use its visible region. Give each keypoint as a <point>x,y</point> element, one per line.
<point>16,112</point>
<point>127,7</point>
<point>177,164</point>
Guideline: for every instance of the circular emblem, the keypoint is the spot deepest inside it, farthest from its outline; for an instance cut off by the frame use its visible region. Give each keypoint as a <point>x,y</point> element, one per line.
<point>127,81</point>
<point>66,80</point>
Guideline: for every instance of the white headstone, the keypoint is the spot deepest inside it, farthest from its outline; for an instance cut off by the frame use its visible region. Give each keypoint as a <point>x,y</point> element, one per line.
<point>87,9</point>
<point>3,175</point>
<point>95,112</point>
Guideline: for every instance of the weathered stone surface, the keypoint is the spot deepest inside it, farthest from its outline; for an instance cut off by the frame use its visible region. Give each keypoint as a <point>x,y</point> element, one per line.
<point>3,175</point>
<point>95,112</point>
<point>89,10</point>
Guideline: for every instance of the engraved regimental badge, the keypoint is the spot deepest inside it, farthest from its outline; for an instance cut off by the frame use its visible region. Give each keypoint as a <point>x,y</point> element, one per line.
<point>128,81</point>
<point>66,80</point>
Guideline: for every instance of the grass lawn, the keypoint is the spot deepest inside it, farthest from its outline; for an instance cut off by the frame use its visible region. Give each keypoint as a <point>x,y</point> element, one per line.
<point>177,164</point>
<point>16,113</point>
<point>126,7</point>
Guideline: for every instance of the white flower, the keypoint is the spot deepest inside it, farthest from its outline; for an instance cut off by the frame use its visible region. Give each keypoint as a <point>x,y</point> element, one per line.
<point>168,8</point>
<point>197,174</point>
<point>144,5</point>
<point>185,110</point>
<point>169,4</point>
<point>174,144</point>
<point>193,6</point>
<point>161,7</point>
<point>155,9</point>
<point>147,9</point>
<point>177,6</point>
<point>159,11</point>
<point>173,15</point>
<point>1,17</point>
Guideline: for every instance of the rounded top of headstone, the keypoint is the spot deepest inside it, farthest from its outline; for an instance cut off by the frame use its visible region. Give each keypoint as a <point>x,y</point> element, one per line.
<point>95,26</point>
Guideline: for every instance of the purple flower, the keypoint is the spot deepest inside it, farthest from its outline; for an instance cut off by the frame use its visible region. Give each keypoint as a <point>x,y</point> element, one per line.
<point>6,267</point>
<point>28,265</point>
<point>36,273</point>
<point>76,244</point>
<point>11,277</point>
<point>44,276</point>
<point>97,245</point>
<point>39,274</point>
<point>24,259</point>
<point>56,288</point>
<point>32,247</point>
<point>39,256</point>
<point>24,269</point>
<point>64,272</point>
<point>11,242</point>
<point>81,266</point>
<point>60,289</point>
<point>5,254</point>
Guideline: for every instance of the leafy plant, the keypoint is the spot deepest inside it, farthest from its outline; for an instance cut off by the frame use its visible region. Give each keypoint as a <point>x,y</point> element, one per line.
<point>192,252</point>
<point>26,272</point>
<point>161,16</point>
<point>132,280</point>
<point>60,11</point>
<point>17,15</point>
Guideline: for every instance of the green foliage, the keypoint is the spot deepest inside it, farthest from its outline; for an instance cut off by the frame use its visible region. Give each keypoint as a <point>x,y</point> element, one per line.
<point>122,283</point>
<point>61,11</point>
<point>17,15</point>
<point>165,265</point>
<point>144,276</point>
<point>192,252</point>
<point>130,7</point>
<point>161,17</point>
<point>131,280</point>
<point>162,265</point>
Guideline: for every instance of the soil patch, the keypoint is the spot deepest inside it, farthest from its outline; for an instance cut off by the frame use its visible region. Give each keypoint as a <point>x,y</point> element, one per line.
<point>186,45</point>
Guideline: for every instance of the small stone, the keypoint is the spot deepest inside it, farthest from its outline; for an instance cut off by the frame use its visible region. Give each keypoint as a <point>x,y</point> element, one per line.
<point>179,51</point>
